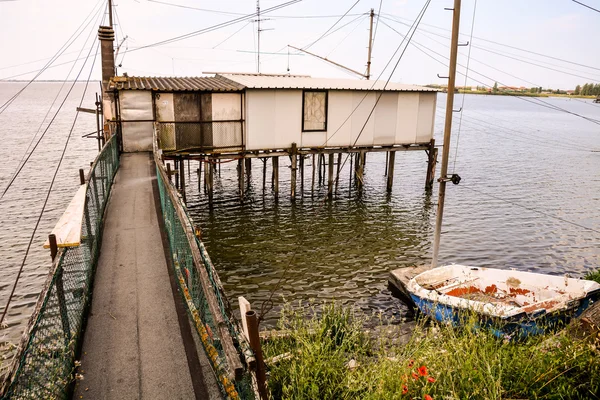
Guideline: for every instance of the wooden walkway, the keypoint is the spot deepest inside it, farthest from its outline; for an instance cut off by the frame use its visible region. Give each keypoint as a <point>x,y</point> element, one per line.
<point>138,343</point>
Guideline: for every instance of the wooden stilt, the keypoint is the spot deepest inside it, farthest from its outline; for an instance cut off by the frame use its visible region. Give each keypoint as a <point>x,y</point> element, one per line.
<point>207,169</point>
<point>314,167</point>
<point>240,169</point>
<point>301,174</point>
<point>294,160</point>
<point>432,154</point>
<point>182,180</point>
<point>169,173</point>
<point>210,183</point>
<point>264,161</point>
<point>351,171</point>
<point>337,175</point>
<point>390,170</point>
<point>323,168</point>
<point>276,176</point>
<point>319,167</point>
<point>361,169</point>
<point>200,173</point>
<point>248,169</point>
<point>330,176</point>
<point>387,155</point>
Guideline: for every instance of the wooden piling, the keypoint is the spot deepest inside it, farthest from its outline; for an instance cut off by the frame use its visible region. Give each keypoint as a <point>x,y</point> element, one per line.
<point>248,162</point>
<point>319,167</point>
<point>207,169</point>
<point>240,170</point>
<point>390,170</point>
<point>432,154</point>
<point>294,153</point>
<point>200,173</point>
<point>330,176</point>
<point>81,176</point>
<point>210,183</point>
<point>264,161</point>
<point>360,170</point>
<point>387,155</point>
<point>301,174</point>
<point>314,166</point>
<point>169,173</point>
<point>254,339</point>
<point>276,176</point>
<point>182,180</point>
<point>337,175</point>
<point>323,167</point>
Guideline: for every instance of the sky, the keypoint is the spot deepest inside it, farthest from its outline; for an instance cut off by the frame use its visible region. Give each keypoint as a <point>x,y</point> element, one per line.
<point>32,31</point>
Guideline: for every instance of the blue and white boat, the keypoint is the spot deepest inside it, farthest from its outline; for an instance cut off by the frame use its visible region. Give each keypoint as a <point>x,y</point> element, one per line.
<point>509,302</point>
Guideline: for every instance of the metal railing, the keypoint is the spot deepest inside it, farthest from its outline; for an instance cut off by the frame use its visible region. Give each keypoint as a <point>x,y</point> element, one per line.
<point>44,364</point>
<point>207,306</point>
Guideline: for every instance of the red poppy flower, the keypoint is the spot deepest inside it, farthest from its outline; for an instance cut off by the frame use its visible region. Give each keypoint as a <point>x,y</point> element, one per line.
<point>430,379</point>
<point>404,389</point>
<point>428,397</point>
<point>415,375</point>
<point>411,363</point>
<point>422,370</point>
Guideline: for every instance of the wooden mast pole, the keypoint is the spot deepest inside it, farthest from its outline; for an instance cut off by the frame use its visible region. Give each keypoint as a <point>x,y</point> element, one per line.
<point>447,132</point>
<point>110,12</point>
<point>368,74</point>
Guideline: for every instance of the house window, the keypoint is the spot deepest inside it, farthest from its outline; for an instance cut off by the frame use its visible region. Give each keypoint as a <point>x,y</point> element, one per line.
<point>314,111</point>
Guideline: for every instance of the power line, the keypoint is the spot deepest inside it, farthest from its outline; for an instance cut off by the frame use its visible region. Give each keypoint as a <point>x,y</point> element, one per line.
<point>377,24</point>
<point>506,45</point>
<point>462,105</point>
<point>332,26</point>
<point>346,37</point>
<point>532,100</point>
<point>267,305</point>
<point>531,209</point>
<point>585,5</point>
<point>60,51</point>
<point>16,174</point>
<point>53,177</point>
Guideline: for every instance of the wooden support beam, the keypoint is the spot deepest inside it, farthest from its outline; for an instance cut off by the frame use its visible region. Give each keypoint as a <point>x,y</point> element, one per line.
<point>182,180</point>
<point>294,159</point>
<point>210,183</point>
<point>302,175</point>
<point>199,174</point>
<point>207,169</point>
<point>276,176</point>
<point>261,376</point>
<point>319,161</point>
<point>432,154</point>
<point>337,175</point>
<point>240,169</point>
<point>361,168</point>
<point>169,173</point>
<point>248,162</point>
<point>330,177</point>
<point>390,170</point>
<point>264,161</point>
<point>314,166</point>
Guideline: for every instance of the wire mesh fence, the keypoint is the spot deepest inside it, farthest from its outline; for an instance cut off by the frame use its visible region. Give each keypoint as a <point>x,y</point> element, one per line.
<point>203,295</point>
<point>44,365</point>
<point>199,136</point>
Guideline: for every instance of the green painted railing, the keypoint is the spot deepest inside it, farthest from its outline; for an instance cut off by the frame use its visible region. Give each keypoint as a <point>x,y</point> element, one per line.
<point>44,365</point>
<point>202,292</point>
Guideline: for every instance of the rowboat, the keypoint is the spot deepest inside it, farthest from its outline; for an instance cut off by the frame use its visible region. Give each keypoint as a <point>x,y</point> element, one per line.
<point>508,302</point>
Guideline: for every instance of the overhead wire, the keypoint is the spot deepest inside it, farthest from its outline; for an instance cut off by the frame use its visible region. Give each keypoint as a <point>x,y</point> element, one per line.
<point>20,168</point>
<point>532,100</point>
<point>39,219</point>
<point>462,104</point>
<point>346,37</point>
<point>267,305</point>
<point>585,5</point>
<point>506,45</point>
<point>60,51</point>
<point>332,26</point>
<point>531,209</point>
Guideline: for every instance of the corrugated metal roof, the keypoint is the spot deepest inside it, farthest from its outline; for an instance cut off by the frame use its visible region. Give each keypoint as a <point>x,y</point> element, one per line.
<point>174,84</point>
<point>253,81</point>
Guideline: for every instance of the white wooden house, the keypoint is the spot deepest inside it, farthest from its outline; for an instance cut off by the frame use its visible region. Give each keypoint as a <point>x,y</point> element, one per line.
<point>247,112</point>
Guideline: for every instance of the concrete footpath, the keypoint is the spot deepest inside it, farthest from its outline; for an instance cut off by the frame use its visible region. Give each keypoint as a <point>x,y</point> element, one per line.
<point>136,337</point>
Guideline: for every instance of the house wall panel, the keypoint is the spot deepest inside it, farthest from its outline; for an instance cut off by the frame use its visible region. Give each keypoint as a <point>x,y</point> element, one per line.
<point>339,126</point>
<point>385,116</point>
<point>427,103</point>
<point>360,136</point>
<point>407,116</point>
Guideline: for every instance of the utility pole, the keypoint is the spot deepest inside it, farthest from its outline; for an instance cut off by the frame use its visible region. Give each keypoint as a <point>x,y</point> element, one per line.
<point>110,10</point>
<point>447,132</point>
<point>258,34</point>
<point>368,75</point>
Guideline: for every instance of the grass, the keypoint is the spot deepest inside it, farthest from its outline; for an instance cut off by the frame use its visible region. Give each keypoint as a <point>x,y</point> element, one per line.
<point>593,276</point>
<point>438,361</point>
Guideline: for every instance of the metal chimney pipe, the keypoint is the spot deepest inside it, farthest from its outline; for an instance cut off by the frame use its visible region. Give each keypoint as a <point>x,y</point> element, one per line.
<point>106,35</point>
